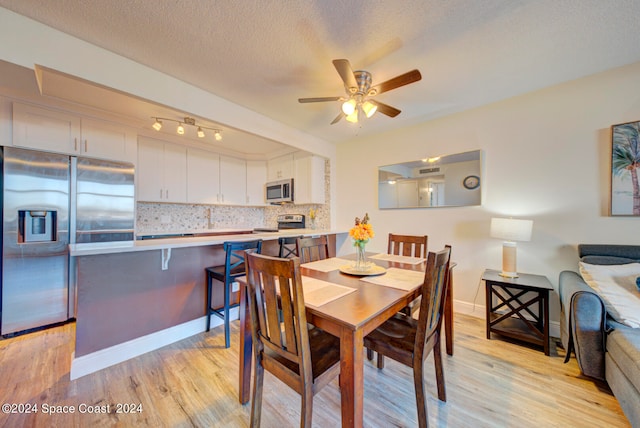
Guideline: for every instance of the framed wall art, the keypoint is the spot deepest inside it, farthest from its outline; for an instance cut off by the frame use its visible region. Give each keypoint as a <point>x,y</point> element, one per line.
<point>625,167</point>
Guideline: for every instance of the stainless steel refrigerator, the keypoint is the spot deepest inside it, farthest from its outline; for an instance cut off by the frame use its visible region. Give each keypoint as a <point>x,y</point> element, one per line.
<point>48,201</point>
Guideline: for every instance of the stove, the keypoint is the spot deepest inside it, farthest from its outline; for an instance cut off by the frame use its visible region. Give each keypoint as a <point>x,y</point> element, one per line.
<point>291,221</point>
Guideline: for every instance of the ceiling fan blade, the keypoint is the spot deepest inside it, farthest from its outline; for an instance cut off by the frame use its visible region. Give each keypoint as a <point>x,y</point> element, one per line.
<point>337,119</point>
<point>346,73</point>
<point>318,99</point>
<point>386,109</point>
<point>396,82</point>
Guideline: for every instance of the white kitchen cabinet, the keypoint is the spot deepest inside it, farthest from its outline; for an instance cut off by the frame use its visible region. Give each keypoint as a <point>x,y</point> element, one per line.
<point>106,140</point>
<point>308,180</point>
<point>162,171</point>
<point>233,181</point>
<point>56,131</point>
<point>256,179</point>
<point>44,129</point>
<point>280,168</point>
<point>203,177</point>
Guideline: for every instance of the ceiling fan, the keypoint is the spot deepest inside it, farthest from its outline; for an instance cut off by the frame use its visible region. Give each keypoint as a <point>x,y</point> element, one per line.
<point>360,92</point>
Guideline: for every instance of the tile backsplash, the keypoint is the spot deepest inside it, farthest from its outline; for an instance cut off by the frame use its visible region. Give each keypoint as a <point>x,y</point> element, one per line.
<point>153,218</point>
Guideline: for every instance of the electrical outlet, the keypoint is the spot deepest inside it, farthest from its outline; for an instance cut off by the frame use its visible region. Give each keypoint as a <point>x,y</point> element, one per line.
<point>165,219</point>
<point>235,286</point>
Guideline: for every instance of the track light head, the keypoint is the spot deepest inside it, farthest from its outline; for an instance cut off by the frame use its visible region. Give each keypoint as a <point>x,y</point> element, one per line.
<point>157,125</point>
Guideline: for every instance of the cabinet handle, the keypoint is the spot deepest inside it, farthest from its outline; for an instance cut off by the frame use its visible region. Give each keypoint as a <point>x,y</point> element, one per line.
<point>167,193</point>
<point>86,145</point>
<point>160,193</point>
<point>75,144</point>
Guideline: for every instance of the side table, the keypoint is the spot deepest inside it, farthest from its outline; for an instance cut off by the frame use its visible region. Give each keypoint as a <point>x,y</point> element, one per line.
<point>514,312</point>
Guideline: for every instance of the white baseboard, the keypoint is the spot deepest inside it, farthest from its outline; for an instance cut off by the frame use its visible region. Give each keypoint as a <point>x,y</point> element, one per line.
<point>478,311</point>
<point>104,358</point>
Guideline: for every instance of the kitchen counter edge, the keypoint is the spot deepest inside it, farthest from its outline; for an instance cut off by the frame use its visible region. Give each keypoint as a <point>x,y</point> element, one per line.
<point>96,248</point>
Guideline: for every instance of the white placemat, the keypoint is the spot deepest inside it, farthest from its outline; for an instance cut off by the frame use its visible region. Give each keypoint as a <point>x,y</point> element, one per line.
<point>398,259</point>
<point>398,278</point>
<point>318,292</point>
<point>326,265</point>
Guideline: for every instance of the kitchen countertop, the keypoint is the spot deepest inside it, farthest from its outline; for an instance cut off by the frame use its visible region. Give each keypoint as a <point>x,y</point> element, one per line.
<point>96,248</point>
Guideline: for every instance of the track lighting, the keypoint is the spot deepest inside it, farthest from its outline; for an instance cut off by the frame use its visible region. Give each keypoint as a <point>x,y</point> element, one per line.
<point>157,125</point>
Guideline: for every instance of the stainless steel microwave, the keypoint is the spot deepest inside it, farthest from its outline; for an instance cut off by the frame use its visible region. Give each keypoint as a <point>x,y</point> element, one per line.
<point>279,192</point>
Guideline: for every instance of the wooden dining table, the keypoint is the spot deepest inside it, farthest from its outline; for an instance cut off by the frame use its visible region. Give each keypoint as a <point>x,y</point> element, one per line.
<point>350,318</point>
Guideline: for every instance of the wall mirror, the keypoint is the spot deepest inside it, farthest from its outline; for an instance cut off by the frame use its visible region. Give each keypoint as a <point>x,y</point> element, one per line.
<point>443,181</point>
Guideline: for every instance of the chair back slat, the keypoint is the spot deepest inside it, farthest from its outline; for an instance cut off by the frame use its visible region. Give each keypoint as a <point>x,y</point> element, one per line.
<point>434,289</point>
<point>312,249</point>
<point>275,287</point>
<point>407,245</point>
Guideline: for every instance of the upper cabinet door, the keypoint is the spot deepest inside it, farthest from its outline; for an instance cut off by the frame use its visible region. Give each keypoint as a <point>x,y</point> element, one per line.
<point>203,177</point>
<point>149,171</point>
<point>308,182</point>
<point>233,181</point>
<point>43,129</point>
<point>161,171</point>
<point>105,140</point>
<point>256,179</point>
<point>280,168</point>
<point>175,173</point>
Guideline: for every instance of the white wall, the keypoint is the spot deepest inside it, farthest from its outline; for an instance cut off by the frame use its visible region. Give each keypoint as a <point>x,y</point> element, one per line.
<point>546,158</point>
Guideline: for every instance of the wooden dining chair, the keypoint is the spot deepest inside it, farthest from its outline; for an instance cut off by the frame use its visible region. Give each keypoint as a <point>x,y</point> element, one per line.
<point>412,246</point>
<point>312,249</point>
<point>306,360</point>
<point>409,341</point>
<point>407,245</point>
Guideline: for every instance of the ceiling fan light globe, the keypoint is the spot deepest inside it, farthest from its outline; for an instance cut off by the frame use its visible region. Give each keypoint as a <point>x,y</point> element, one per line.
<point>369,108</point>
<point>353,117</point>
<point>349,106</point>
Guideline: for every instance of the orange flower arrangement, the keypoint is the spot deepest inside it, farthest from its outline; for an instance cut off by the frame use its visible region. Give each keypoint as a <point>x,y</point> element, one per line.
<point>361,232</point>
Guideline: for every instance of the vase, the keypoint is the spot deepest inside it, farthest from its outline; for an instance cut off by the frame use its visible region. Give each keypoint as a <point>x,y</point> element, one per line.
<point>361,258</point>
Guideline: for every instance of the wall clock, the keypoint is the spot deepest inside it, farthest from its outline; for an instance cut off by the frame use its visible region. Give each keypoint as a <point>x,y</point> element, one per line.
<point>471,182</point>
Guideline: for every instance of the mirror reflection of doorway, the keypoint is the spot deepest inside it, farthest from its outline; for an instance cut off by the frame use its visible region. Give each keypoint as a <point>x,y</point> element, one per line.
<point>431,192</point>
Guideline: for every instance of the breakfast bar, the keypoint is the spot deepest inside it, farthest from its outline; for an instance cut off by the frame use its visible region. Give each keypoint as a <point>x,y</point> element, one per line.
<point>136,296</point>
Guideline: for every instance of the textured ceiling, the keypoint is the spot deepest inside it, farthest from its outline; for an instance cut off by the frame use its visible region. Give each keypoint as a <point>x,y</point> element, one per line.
<point>265,54</point>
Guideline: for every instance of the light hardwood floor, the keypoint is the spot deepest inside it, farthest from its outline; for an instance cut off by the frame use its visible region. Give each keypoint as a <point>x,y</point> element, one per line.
<point>193,383</point>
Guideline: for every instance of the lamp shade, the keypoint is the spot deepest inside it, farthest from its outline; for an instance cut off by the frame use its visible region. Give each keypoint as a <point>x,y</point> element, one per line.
<point>510,229</point>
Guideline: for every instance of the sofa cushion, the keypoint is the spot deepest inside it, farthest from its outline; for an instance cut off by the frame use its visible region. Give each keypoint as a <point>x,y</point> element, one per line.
<point>616,285</point>
<point>623,346</point>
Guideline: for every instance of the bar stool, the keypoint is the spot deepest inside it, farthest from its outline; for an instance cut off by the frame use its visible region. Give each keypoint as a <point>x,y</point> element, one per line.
<point>233,268</point>
<point>288,246</point>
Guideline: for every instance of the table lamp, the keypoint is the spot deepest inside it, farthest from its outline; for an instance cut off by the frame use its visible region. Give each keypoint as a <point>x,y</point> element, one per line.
<point>511,230</point>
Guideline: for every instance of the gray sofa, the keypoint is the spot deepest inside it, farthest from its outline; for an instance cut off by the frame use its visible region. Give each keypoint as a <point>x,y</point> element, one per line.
<point>604,349</point>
